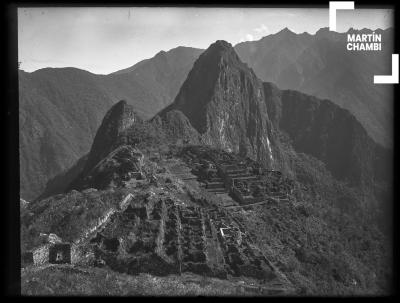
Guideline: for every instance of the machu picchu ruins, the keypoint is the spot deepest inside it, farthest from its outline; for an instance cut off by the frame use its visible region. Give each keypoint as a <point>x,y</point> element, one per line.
<point>245,180</point>
<point>180,230</point>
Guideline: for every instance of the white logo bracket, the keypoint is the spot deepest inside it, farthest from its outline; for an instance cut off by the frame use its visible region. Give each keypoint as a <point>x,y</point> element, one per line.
<point>378,79</point>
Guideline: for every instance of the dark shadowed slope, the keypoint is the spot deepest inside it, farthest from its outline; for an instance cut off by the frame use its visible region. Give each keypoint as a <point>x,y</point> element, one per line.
<point>179,58</point>
<point>111,134</point>
<point>331,134</point>
<point>157,79</point>
<point>321,66</point>
<point>59,112</point>
<point>61,108</point>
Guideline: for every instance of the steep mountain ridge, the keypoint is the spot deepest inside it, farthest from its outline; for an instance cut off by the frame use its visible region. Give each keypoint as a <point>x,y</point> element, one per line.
<point>110,135</point>
<point>59,113</point>
<point>223,101</point>
<point>332,134</point>
<point>118,119</point>
<point>159,78</point>
<point>273,54</point>
<point>60,110</point>
<point>321,65</point>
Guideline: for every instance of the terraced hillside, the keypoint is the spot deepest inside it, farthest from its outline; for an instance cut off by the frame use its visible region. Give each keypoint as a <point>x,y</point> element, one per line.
<point>169,225</point>
<point>162,229</point>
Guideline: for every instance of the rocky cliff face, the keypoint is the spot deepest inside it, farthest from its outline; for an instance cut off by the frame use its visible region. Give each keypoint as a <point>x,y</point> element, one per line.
<point>224,102</point>
<point>331,134</point>
<point>111,134</point>
<point>118,166</point>
<point>177,127</point>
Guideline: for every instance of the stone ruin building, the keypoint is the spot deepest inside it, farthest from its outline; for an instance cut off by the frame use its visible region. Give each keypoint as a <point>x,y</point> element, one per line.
<point>245,180</point>
<point>53,253</point>
<point>163,238</point>
<point>60,253</point>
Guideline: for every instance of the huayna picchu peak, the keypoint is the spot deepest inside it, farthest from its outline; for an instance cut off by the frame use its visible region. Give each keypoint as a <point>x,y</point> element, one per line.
<point>111,132</point>
<point>224,102</point>
<point>233,187</point>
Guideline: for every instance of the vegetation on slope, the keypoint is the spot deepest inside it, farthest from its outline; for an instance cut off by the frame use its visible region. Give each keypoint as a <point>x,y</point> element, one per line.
<point>66,215</point>
<point>67,281</point>
<point>327,241</point>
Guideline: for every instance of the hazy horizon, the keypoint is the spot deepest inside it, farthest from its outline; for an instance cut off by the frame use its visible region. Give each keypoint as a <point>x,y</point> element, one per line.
<point>105,40</point>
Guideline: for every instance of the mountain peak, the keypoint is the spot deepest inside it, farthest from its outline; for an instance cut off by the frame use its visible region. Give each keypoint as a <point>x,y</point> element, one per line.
<point>221,44</point>
<point>161,53</point>
<point>218,97</point>
<point>326,33</point>
<point>218,49</point>
<point>359,31</point>
<point>120,112</point>
<point>322,30</point>
<point>120,104</point>
<point>285,31</point>
<point>118,119</point>
<point>213,65</point>
<point>220,53</point>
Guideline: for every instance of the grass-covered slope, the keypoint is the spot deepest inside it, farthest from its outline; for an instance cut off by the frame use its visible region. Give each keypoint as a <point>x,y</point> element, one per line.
<point>70,281</point>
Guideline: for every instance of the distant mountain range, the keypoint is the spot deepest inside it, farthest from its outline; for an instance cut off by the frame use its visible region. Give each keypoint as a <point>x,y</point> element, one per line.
<point>320,65</point>
<point>61,108</point>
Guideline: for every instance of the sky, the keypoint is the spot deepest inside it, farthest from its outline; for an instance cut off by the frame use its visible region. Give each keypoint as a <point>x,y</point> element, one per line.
<point>104,40</point>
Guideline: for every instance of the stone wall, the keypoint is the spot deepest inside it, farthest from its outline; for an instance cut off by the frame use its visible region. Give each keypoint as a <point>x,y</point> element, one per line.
<point>41,255</point>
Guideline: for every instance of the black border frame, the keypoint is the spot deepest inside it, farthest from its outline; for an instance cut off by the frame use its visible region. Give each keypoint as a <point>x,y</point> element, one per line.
<point>11,220</point>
